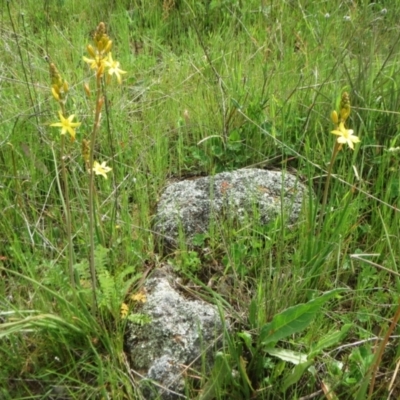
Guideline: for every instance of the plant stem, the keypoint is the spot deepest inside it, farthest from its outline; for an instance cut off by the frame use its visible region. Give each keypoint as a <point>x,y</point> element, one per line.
<point>67,210</point>
<point>379,354</point>
<point>64,193</point>
<point>327,183</point>
<point>99,104</point>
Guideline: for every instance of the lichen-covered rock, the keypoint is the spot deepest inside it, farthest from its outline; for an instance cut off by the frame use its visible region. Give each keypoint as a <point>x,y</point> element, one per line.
<point>181,331</point>
<point>189,205</point>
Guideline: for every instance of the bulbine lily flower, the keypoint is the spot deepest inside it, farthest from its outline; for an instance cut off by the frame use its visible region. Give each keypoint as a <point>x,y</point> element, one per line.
<point>67,125</point>
<point>101,169</point>
<point>345,136</point>
<point>113,68</point>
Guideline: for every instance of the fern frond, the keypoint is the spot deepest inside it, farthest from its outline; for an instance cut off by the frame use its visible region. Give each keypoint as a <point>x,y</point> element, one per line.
<point>107,289</point>
<point>100,258</point>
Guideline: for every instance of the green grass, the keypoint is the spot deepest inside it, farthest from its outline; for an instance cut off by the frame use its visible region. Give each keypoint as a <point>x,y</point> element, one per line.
<point>211,86</point>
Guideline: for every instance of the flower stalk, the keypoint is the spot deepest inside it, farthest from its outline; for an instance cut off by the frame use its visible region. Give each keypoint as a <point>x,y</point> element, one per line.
<point>91,200</point>
<point>59,90</point>
<point>345,136</point>
<point>101,61</point>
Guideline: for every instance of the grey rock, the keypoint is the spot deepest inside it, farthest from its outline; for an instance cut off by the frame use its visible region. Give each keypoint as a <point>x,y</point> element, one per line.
<point>182,331</point>
<point>189,206</point>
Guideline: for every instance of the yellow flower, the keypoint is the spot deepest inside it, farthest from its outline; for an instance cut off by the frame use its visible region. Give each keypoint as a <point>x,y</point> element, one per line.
<point>345,136</point>
<point>67,125</point>
<point>101,169</point>
<point>139,297</point>
<point>113,68</point>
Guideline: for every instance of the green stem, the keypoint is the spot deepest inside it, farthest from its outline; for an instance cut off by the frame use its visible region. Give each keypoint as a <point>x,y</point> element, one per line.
<point>66,203</point>
<point>327,183</point>
<point>113,164</point>
<point>96,125</point>
<point>67,209</point>
<point>64,195</point>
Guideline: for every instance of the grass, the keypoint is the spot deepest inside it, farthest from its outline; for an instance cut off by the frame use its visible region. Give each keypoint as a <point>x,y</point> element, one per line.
<point>211,86</point>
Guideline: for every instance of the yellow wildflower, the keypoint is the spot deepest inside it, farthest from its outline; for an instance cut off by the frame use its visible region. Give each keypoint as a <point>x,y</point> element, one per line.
<point>113,68</point>
<point>67,125</point>
<point>101,169</point>
<point>345,136</point>
<point>139,297</point>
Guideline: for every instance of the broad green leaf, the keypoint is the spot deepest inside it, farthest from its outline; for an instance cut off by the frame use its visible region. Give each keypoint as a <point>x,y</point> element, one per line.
<point>330,340</point>
<point>294,319</point>
<point>234,136</point>
<point>293,357</point>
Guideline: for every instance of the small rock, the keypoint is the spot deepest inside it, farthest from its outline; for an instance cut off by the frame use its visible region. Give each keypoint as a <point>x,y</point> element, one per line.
<point>180,331</point>
<point>189,205</point>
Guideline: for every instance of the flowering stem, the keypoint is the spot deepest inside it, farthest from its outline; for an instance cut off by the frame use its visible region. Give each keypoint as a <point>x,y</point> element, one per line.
<point>59,89</point>
<point>111,143</point>
<point>67,210</point>
<point>99,104</point>
<point>66,204</point>
<point>327,183</point>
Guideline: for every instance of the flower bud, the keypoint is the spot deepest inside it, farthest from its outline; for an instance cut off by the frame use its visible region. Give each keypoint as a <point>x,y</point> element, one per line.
<point>334,117</point>
<point>107,47</point>
<point>100,70</point>
<point>86,88</point>
<point>100,102</point>
<point>344,107</point>
<point>65,87</point>
<point>91,50</point>
<point>55,92</point>
<point>85,149</point>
